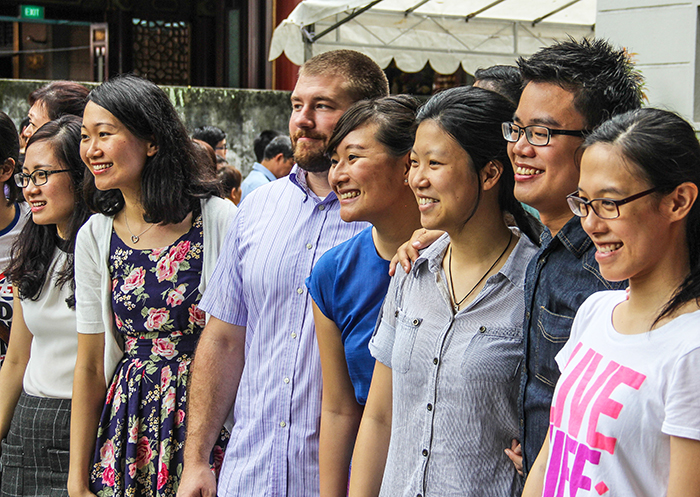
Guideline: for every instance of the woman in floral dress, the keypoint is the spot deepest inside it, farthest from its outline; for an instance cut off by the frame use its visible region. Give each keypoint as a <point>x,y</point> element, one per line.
<point>141,267</point>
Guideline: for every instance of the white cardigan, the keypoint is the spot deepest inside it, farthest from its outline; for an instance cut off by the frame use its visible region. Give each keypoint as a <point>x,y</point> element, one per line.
<point>93,286</point>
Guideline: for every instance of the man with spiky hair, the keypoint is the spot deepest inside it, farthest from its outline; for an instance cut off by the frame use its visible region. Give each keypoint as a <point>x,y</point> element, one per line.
<point>570,88</point>
<point>258,352</point>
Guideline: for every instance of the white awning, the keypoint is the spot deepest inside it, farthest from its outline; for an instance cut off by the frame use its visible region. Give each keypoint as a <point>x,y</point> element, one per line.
<point>446,33</point>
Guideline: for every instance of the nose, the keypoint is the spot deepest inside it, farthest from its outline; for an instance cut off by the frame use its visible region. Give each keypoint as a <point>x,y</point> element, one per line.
<point>522,147</point>
<point>592,224</point>
<point>28,131</point>
<point>31,188</point>
<point>417,177</point>
<point>302,118</point>
<point>337,175</point>
<point>90,148</point>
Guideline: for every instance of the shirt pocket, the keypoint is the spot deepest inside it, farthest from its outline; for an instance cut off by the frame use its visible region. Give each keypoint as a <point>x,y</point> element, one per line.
<point>552,333</point>
<point>406,331</point>
<point>493,354</point>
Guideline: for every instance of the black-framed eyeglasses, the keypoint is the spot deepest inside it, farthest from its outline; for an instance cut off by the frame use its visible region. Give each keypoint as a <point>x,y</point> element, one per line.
<point>39,177</point>
<point>604,208</point>
<point>537,136</point>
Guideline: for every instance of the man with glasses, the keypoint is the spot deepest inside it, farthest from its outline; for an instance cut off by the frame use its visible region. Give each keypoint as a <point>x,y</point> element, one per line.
<point>570,88</point>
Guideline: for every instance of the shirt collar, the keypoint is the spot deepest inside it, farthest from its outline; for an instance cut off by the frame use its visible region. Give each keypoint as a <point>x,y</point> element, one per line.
<point>514,269</point>
<point>298,177</point>
<point>262,169</point>
<point>572,236</point>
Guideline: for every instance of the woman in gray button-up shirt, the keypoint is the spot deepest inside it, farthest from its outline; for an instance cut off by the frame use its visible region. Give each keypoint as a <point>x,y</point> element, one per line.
<point>448,344</point>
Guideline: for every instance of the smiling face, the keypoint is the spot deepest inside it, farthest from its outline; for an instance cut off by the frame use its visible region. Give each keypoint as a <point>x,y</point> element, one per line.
<point>38,116</point>
<point>317,104</point>
<point>366,178</point>
<point>52,202</point>
<point>627,247</point>
<point>114,155</point>
<point>442,178</point>
<point>544,176</point>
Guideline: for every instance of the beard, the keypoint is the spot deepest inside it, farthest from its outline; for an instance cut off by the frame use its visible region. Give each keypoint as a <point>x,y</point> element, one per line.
<point>311,157</point>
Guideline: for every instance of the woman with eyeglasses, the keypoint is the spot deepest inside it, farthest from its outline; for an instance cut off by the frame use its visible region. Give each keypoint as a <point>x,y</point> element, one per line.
<point>448,343</point>
<point>624,417</point>
<point>37,378</point>
<point>142,264</point>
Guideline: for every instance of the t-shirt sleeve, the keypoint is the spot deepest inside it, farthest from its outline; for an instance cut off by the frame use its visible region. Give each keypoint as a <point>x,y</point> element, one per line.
<point>223,297</point>
<point>88,281</point>
<point>584,316</point>
<point>321,283</point>
<point>683,398</point>
<point>381,345</point>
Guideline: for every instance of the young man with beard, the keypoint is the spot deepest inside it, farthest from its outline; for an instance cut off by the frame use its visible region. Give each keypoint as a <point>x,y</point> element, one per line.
<point>258,353</point>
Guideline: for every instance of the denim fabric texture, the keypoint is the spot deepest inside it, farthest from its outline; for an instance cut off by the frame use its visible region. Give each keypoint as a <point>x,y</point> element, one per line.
<point>559,278</point>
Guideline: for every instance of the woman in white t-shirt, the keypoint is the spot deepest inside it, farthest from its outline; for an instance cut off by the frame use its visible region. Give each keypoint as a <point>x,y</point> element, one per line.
<point>624,417</point>
<point>37,378</point>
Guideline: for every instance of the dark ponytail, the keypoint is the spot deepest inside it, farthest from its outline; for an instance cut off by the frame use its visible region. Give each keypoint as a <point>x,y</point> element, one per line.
<point>473,117</point>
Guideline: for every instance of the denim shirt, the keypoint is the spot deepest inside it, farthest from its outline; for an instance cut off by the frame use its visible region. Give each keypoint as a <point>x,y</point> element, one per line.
<point>559,278</point>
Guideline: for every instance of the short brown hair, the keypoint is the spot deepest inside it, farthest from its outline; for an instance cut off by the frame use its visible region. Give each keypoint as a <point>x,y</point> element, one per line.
<point>364,79</point>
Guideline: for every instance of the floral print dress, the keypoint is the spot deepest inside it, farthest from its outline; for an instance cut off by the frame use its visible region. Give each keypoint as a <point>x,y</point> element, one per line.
<point>141,434</point>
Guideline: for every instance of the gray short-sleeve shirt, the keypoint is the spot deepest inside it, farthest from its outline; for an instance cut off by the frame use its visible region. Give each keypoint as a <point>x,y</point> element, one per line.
<point>455,379</point>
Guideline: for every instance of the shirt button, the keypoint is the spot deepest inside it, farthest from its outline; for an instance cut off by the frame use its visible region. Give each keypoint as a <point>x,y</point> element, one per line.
<point>294,335</point>
<point>309,246</point>
<point>527,315</point>
<point>286,380</point>
<point>435,360</point>
<point>283,424</point>
<point>322,207</point>
<point>430,407</point>
<point>425,452</point>
<point>522,422</point>
<point>419,495</point>
<point>482,329</point>
<point>300,290</point>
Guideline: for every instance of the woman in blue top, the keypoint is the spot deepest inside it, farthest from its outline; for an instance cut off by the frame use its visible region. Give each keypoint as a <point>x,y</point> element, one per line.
<point>369,154</point>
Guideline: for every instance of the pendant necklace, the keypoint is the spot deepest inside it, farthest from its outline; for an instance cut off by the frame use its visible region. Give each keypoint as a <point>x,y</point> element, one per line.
<point>452,285</point>
<point>135,238</point>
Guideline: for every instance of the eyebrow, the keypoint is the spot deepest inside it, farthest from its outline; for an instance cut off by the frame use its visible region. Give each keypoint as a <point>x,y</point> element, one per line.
<point>609,190</point>
<point>542,121</point>
<point>355,146</point>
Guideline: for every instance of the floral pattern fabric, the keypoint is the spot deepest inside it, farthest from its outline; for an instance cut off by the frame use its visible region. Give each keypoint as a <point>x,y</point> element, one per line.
<point>141,435</point>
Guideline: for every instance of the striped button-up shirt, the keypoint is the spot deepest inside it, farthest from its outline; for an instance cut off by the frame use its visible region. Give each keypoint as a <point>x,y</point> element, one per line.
<point>279,233</point>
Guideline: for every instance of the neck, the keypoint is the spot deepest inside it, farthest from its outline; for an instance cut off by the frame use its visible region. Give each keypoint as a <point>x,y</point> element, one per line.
<point>7,214</point>
<point>483,236</point>
<point>134,211</point>
<point>396,226</point>
<point>318,183</point>
<point>555,221</point>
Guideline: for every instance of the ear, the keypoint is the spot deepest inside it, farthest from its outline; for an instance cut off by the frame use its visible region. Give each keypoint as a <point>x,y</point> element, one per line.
<point>407,166</point>
<point>7,169</point>
<point>490,174</point>
<point>279,158</point>
<point>152,149</point>
<point>679,202</point>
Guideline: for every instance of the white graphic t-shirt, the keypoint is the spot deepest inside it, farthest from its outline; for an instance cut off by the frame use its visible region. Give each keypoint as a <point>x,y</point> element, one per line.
<point>7,238</point>
<point>618,401</point>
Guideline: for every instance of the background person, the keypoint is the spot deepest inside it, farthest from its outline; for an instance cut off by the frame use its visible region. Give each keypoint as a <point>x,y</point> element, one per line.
<point>369,173</point>
<point>230,179</point>
<point>277,161</point>
<point>52,101</point>
<point>142,264</point>
<point>636,354</point>
<point>448,342</point>
<point>215,137</point>
<point>37,378</point>
<point>13,216</point>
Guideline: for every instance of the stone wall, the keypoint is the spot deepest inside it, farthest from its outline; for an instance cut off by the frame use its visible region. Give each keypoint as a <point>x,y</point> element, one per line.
<point>242,114</point>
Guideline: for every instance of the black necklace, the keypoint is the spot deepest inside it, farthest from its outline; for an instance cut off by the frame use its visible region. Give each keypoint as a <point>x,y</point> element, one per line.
<point>452,285</point>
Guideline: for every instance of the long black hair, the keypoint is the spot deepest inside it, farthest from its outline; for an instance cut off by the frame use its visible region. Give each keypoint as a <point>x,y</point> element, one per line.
<point>9,149</point>
<point>473,117</point>
<point>666,152</point>
<point>33,250</point>
<point>173,180</point>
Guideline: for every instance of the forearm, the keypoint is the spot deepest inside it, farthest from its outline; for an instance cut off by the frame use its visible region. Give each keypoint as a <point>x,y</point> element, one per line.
<point>535,478</point>
<point>338,434</point>
<point>89,391</point>
<point>214,378</point>
<point>11,377</point>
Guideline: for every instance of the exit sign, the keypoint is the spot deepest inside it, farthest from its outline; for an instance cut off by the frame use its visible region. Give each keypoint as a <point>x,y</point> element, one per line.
<point>31,12</point>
